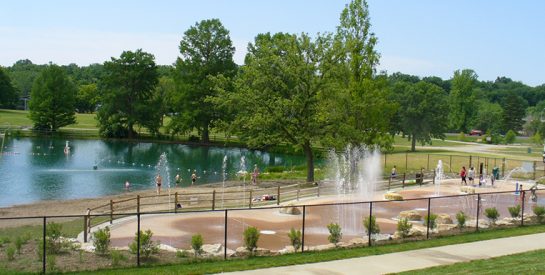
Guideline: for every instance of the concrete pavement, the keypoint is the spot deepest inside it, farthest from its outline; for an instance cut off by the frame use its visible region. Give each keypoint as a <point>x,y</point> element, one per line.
<point>414,259</point>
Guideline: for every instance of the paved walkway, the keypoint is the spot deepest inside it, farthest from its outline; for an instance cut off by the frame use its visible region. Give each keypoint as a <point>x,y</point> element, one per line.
<point>414,259</point>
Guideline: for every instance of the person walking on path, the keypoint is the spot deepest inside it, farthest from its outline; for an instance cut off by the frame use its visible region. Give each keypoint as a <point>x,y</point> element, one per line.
<point>471,175</point>
<point>394,173</point>
<point>463,175</point>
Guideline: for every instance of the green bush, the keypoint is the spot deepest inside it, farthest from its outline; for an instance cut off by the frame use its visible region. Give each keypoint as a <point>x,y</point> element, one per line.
<point>404,227</point>
<point>537,139</point>
<point>335,234</point>
<point>147,246</point>
<point>275,169</point>
<point>371,225</point>
<point>101,240</point>
<point>251,236</point>
<point>510,137</point>
<point>53,234</point>
<point>461,218</point>
<point>492,214</point>
<point>514,211</point>
<point>117,257</point>
<point>539,211</point>
<point>196,244</point>
<point>181,254</point>
<point>4,240</point>
<point>432,221</point>
<point>10,253</point>
<point>18,244</point>
<point>295,238</point>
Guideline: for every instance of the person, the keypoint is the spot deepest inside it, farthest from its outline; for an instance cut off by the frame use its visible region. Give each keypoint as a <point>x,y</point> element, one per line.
<point>471,175</point>
<point>127,185</point>
<point>158,182</point>
<point>394,172</point>
<point>255,174</point>
<point>533,190</point>
<point>492,179</point>
<point>178,179</point>
<point>463,175</point>
<point>194,177</point>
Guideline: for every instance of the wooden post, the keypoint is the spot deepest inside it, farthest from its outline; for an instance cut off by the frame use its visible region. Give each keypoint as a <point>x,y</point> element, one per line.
<point>137,203</point>
<point>85,228</point>
<point>522,213</point>
<point>450,164</point>
<point>175,202</point>
<point>111,211</point>
<point>250,202</point>
<point>214,199</point>
<point>403,182</point>
<point>502,167</point>
<point>278,195</point>
<point>428,163</point>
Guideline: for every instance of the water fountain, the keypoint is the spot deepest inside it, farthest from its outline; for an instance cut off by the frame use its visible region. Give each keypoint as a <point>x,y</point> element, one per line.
<point>439,176</point>
<point>164,171</point>
<point>355,172</point>
<point>224,176</point>
<point>242,173</point>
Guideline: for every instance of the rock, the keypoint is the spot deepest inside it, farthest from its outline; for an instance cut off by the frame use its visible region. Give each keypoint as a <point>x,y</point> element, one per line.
<point>443,218</point>
<point>287,249</point>
<point>213,249</point>
<point>393,196</point>
<point>324,247</point>
<point>467,189</point>
<point>242,252</point>
<point>358,242</point>
<point>262,252</point>
<point>290,210</point>
<point>88,247</point>
<point>414,232</point>
<point>411,215</point>
<point>167,248</point>
<point>445,227</point>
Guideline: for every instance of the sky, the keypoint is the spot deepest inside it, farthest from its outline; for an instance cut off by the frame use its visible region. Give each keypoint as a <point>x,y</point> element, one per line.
<point>419,37</point>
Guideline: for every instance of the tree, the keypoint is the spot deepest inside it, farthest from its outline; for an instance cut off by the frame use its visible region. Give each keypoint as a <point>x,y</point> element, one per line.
<point>127,95</point>
<point>52,99</point>
<point>422,112</point>
<point>514,110</point>
<point>488,116</point>
<point>86,98</point>
<point>462,99</point>
<point>207,52</point>
<point>8,93</point>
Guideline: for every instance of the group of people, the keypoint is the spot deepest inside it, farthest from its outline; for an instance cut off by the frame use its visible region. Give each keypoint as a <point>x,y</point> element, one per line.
<point>470,175</point>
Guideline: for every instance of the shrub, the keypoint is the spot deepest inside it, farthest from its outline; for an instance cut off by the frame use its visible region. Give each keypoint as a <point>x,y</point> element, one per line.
<point>370,224</point>
<point>510,137</point>
<point>251,236</point>
<point>537,139</point>
<point>10,252</point>
<point>432,221</point>
<point>4,240</point>
<point>404,227</point>
<point>18,244</point>
<point>335,234</point>
<point>514,211</point>
<point>101,240</point>
<point>53,234</point>
<point>181,254</point>
<point>492,214</point>
<point>539,211</point>
<point>295,238</point>
<point>147,246</point>
<point>461,218</point>
<point>117,257</point>
<point>196,244</point>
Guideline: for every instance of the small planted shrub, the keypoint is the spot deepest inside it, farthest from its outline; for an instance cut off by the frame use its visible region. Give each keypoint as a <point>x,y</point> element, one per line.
<point>117,257</point>
<point>539,211</point>
<point>404,227</point>
<point>10,252</point>
<point>432,221</point>
<point>53,234</point>
<point>514,211</point>
<point>492,214</point>
<point>370,224</point>
<point>18,244</point>
<point>510,137</point>
<point>251,236</point>
<point>147,246</point>
<point>335,234</point>
<point>461,218</point>
<point>295,238</point>
<point>196,244</point>
<point>101,240</point>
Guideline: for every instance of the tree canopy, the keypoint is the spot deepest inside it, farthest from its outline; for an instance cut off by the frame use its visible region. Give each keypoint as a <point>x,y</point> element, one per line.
<point>8,93</point>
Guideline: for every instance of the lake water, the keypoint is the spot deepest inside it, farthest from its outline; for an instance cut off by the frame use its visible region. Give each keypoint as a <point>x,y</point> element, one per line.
<point>34,169</point>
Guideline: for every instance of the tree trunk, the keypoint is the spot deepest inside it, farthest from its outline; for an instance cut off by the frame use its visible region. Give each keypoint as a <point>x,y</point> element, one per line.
<point>413,143</point>
<point>131,132</point>
<point>205,134</point>
<point>310,161</point>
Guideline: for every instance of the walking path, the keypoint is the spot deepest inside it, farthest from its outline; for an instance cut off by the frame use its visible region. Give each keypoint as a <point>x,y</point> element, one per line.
<point>414,259</point>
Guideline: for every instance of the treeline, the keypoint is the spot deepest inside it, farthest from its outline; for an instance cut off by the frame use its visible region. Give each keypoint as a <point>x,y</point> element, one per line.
<point>292,88</point>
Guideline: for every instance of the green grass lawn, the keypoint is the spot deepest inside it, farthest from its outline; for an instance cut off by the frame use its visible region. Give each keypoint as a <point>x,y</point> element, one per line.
<point>523,263</point>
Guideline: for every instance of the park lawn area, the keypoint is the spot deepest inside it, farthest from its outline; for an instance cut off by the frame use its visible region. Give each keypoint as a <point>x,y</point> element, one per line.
<point>19,118</point>
<point>531,262</point>
<point>217,266</point>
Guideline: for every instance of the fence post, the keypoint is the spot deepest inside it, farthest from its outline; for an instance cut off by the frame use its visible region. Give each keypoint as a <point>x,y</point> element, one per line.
<point>421,176</point>
<point>470,161</point>
<point>250,201</point>
<point>44,245</point>
<point>111,211</point>
<point>522,214</point>
<point>428,221</point>
<point>225,237</point>
<point>176,202</point>
<point>403,182</point>
<point>278,195</point>
<point>138,240</point>
<point>214,199</point>
<point>85,228</point>
<point>406,157</point>
<point>303,234</point>
<point>478,209</point>
<point>503,167</point>
<point>370,225</point>
<point>535,169</point>
<point>428,163</point>
<point>137,203</point>
<point>450,164</point>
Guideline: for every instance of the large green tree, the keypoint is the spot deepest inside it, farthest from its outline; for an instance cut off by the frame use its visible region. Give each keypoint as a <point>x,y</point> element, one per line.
<point>462,99</point>
<point>8,94</point>
<point>127,95</point>
<point>514,110</point>
<point>52,99</point>
<point>206,52</point>
<point>422,111</point>
<point>86,98</point>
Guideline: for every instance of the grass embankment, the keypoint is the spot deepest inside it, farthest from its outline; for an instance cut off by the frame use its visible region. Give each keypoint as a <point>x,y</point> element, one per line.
<point>522,263</point>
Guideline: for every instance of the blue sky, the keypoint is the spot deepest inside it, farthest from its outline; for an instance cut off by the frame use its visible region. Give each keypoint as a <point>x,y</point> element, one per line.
<point>424,37</point>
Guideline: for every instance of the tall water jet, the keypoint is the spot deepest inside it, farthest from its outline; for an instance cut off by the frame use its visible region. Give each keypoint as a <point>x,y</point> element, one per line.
<point>164,171</point>
<point>242,173</point>
<point>355,173</point>
<point>439,175</point>
<point>224,176</point>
